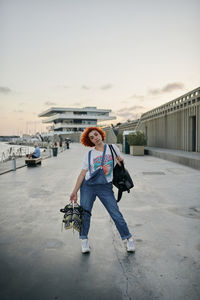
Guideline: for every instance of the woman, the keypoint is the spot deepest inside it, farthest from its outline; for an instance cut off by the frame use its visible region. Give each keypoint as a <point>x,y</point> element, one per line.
<point>95,179</point>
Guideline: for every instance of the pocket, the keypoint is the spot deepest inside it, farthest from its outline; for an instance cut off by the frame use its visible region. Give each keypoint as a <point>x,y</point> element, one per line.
<point>98,177</point>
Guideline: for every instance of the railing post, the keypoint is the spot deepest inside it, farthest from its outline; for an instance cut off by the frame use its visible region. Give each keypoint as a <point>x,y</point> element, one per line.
<point>14,163</point>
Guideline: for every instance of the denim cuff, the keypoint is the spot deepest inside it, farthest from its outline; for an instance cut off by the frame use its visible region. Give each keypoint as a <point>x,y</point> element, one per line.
<point>126,237</point>
<point>83,237</point>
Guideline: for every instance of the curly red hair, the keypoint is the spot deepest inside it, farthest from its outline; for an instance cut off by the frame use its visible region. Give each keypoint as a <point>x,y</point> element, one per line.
<point>85,140</point>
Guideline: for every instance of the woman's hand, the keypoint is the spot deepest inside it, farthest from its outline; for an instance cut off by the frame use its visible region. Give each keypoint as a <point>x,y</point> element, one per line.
<point>118,158</point>
<point>73,197</point>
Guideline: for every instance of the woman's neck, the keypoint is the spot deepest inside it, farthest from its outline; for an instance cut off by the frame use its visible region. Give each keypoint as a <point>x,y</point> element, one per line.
<point>100,147</point>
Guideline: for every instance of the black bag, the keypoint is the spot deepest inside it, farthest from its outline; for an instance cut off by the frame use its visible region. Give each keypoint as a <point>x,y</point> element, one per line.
<point>121,177</point>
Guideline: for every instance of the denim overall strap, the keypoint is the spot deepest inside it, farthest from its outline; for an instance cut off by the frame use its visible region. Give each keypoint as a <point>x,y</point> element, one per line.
<point>103,157</point>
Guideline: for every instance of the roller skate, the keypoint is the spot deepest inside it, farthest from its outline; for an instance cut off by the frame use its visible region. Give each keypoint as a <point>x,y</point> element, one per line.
<point>77,217</point>
<point>67,218</point>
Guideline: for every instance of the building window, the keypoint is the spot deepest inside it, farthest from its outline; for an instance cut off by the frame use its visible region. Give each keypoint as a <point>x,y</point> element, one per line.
<point>80,113</point>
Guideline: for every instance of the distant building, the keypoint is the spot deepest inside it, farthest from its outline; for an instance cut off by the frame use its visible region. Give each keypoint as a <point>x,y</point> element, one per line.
<point>73,120</point>
<point>7,138</point>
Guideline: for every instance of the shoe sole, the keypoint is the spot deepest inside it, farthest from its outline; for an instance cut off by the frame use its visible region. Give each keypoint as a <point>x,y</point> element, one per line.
<point>130,250</point>
<point>85,251</point>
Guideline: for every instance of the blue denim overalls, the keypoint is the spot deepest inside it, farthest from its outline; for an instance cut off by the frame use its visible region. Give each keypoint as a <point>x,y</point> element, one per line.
<point>97,185</point>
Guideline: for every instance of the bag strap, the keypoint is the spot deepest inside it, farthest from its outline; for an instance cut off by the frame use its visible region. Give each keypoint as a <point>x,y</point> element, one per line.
<point>119,195</point>
<point>113,150</point>
<point>89,158</point>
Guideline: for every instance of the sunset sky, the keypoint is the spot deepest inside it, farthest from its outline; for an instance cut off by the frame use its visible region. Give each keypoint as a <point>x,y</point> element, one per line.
<point>126,55</point>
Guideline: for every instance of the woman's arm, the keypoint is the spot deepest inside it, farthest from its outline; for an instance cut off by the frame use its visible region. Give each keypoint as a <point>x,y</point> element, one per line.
<point>73,196</point>
<point>118,157</point>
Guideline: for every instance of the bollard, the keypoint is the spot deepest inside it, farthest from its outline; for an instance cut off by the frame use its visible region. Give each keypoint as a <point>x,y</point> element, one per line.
<point>14,164</point>
<point>50,150</point>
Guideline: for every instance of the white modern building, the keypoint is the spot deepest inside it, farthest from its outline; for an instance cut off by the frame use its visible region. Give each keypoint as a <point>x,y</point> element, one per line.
<point>71,120</point>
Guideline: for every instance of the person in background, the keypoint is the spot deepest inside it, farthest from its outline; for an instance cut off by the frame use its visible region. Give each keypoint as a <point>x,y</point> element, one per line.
<point>36,152</point>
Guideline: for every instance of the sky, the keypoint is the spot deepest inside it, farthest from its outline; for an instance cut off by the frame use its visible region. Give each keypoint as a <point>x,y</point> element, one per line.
<point>129,56</point>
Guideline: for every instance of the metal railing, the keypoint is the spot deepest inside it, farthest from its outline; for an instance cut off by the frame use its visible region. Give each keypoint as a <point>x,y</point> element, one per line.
<point>13,152</point>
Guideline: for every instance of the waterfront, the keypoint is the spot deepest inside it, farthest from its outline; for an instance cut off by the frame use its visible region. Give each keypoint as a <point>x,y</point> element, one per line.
<point>5,148</point>
<point>18,153</point>
<point>41,262</point>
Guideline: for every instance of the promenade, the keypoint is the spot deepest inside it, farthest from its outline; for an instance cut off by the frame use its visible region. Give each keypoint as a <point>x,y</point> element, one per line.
<point>41,262</point>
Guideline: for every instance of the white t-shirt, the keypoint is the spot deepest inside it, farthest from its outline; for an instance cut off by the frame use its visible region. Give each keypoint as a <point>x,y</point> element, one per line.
<point>96,159</point>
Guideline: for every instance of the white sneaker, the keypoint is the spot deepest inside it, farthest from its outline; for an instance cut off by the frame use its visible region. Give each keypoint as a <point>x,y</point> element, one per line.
<point>130,245</point>
<point>85,246</point>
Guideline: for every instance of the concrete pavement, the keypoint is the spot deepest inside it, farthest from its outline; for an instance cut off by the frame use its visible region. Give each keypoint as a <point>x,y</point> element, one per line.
<point>39,261</point>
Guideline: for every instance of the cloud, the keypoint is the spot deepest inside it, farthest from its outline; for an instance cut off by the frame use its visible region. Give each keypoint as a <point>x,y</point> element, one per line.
<point>106,86</point>
<point>155,92</point>
<point>168,88</point>
<point>138,97</point>
<point>18,111</point>
<point>76,104</point>
<point>63,86</point>
<point>85,87</point>
<point>102,87</point>
<point>132,108</point>
<point>173,86</point>
<point>131,113</point>
<point>49,103</point>
<point>5,90</point>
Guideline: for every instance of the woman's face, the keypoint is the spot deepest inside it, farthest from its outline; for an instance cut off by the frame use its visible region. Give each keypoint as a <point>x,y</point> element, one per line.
<point>95,137</point>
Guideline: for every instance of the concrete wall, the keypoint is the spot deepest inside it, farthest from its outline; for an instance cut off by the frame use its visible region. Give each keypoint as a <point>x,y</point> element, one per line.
<point>173,124</point>
<point>110,135</point>
<point>127,126</point>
